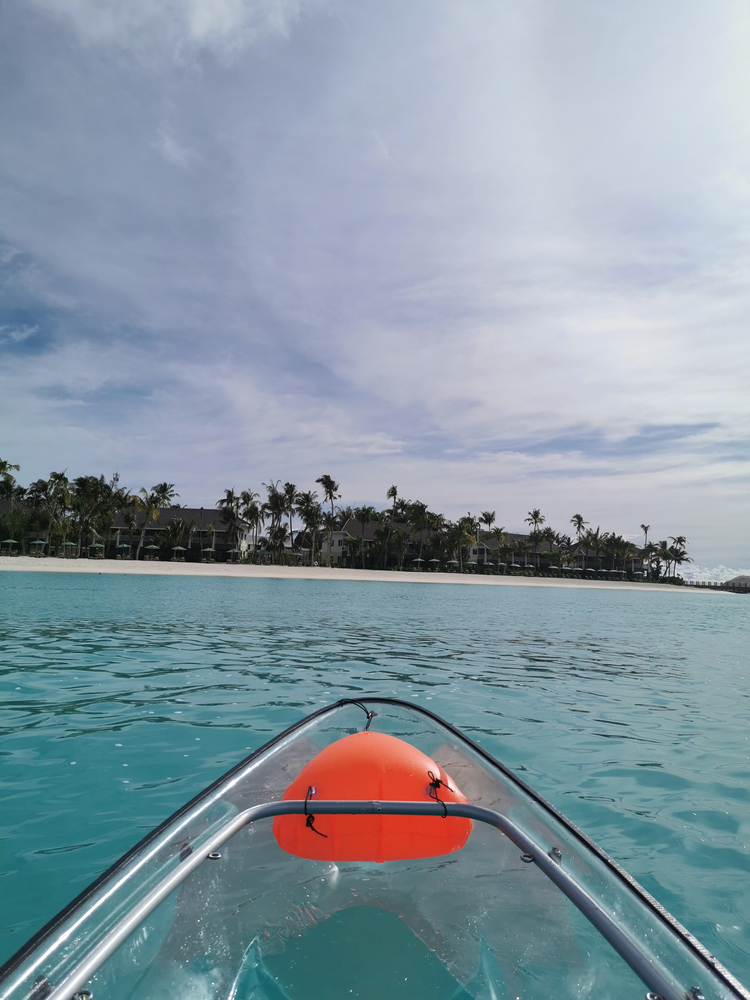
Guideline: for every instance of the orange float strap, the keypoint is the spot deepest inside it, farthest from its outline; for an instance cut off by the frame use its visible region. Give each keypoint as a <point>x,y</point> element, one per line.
<point>371,766</point>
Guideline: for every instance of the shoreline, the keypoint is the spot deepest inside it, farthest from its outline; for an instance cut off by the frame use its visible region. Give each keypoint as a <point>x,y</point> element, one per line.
<point>30,564</point>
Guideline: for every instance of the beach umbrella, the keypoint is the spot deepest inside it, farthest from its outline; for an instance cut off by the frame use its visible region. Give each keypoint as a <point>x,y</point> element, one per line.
<point>96,545</point>
<point>589,569</point>
<point>9,541</point>
<point>471,562</point>
<point>434,560</point>
<point>68,544</point>
<point>208,550</point>
<point>151,546</point>
<point>179,548</point>
<point>514,566</point>
<point>453,562</point>
<point>233,551</point>
<point>39,541</point>
<point>553,569</point>
<point>124,545</point>
<point>419,560</point>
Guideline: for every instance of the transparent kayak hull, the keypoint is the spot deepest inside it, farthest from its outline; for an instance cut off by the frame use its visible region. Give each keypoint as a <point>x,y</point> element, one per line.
<point>209,907</point>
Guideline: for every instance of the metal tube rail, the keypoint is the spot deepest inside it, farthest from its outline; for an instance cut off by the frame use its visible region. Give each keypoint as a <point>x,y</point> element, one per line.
<point>550,863</point>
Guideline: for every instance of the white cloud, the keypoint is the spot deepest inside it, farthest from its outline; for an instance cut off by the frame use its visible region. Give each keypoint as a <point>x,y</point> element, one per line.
<point>18,334</point>
<point>175,27</point>
<point>167,144</point>
<point>716,574</point>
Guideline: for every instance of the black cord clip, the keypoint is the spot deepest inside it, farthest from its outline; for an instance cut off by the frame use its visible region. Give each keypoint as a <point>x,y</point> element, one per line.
<point>310,821</point>
<point>436,783</point>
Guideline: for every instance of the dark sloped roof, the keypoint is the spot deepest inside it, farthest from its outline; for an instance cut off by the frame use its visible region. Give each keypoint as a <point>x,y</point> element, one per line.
<point>353,528</point>
<point>203,516</point>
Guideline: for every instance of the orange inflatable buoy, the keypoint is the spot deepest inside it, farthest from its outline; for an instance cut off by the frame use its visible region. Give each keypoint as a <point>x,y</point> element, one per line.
<point>372,766</point>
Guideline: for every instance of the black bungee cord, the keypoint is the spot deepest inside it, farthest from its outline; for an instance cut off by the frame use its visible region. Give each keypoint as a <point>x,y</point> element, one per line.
<point>310,821</point>
<point>368,712</point>
<point>436,783</point>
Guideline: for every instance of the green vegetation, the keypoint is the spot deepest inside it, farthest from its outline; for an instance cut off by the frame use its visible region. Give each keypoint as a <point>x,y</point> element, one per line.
<point>90,516</point>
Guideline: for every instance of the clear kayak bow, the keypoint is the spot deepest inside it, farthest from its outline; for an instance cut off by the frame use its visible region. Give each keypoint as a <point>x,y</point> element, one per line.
<point>209,906</point>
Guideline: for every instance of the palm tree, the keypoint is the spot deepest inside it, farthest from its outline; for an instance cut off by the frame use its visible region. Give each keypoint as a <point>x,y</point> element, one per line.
<point>498,535</point>
<point>145,505</point>
<point>564,545</point>
<point>535,519</point>
<point>345,514</point>
<point>330,493</point>
<point>420,520</point>
<point>7,481</point>
<point>164,494</point>
<point>458,537</point>
<point>626,550</point>
<point>92,505</point>
<point>616,547</point>
<point>177,532</point>
<point>363,516</point>
<point>276,538</point>
<point>548,535</point>
<point>392,495</point>
<point>679,553</point>
<point>663,556</point>
<point>150,504</point>
<point>52,498</point>
<point>592,542</point>
<point>487,517</point>
<point>645,528</point>
<point>578,524</point>
<point>275,508</point>
<point>399,540</point>
<point>129,513</point>
<point>308,509</point>
<point>229,505</point>
<point>251,514</point>
<point>290,499</point>
<point>330,523</point>
<point>112,496</point>
<point>649,558</point>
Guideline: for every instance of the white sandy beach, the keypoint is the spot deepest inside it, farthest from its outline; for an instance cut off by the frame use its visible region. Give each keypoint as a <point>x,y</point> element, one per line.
<point>30,564</point>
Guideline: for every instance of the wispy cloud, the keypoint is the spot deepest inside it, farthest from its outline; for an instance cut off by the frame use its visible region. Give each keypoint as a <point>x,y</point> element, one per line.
<point>16,335</point>
<point>170,148</point>
<point>175,28</point>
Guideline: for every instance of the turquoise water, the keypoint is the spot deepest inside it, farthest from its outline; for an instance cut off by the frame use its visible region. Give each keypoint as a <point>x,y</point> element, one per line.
<point>121,697</point>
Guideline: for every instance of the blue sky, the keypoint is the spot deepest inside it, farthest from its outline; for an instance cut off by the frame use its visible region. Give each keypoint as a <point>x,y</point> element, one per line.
<point>495,253</point>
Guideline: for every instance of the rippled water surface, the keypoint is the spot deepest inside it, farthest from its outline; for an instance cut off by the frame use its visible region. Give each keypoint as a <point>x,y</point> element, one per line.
<point>121,697</point>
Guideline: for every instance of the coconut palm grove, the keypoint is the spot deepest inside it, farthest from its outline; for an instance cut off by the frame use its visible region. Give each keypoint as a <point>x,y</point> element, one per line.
<point>92,517</point>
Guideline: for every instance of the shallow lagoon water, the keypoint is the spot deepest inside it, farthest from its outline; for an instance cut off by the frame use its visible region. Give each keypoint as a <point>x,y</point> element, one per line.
<point>121,697</point>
